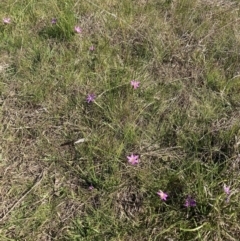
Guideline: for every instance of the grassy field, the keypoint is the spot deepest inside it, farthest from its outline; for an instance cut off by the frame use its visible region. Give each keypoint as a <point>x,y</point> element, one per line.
<point>120,120</point>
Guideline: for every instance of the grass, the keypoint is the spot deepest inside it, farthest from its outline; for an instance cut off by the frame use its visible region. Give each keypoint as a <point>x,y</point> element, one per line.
<point>182,121</point>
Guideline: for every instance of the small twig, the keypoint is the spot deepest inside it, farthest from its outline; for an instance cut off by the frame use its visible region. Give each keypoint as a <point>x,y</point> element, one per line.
<point>103,10</point>
<point>37,180</point>
<point>210,34</point>
<point>115,16</point>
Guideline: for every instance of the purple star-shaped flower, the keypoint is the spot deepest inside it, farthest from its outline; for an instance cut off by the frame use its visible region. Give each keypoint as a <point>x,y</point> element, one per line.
<point>133,159</point>
<point>90,98</point>
<point>77,29</point>
<point>135,84</point>
<point>54,21</point>
<point>162,195</point>
<point>7,20</point>
<point>190,202</point>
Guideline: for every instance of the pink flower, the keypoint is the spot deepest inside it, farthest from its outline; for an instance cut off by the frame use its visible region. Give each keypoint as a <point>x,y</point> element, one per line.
<point>133,159</point>
<point>7,20</point>
<point>77,29</point>
<point>190,202</point>
<point>226,189</point>
<point>135,84</point>
<point>54,21</point>
<point>91,48</point>
<point>162,195</point>
<point>90,98</point>
<point>91,187</point>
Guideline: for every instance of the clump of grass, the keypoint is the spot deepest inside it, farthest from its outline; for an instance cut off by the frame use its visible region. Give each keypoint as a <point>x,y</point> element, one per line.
<point>120,121</point>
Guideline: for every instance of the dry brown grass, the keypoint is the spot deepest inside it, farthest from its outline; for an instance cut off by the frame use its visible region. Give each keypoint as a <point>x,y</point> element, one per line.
<point>183,122</point>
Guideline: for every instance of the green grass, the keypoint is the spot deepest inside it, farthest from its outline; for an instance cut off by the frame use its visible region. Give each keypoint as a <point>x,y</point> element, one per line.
<point>183,120</point>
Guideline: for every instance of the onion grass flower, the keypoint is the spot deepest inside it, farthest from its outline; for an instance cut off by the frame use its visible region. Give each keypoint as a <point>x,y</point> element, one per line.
<point>133,159</point>
<point>162,195</point>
